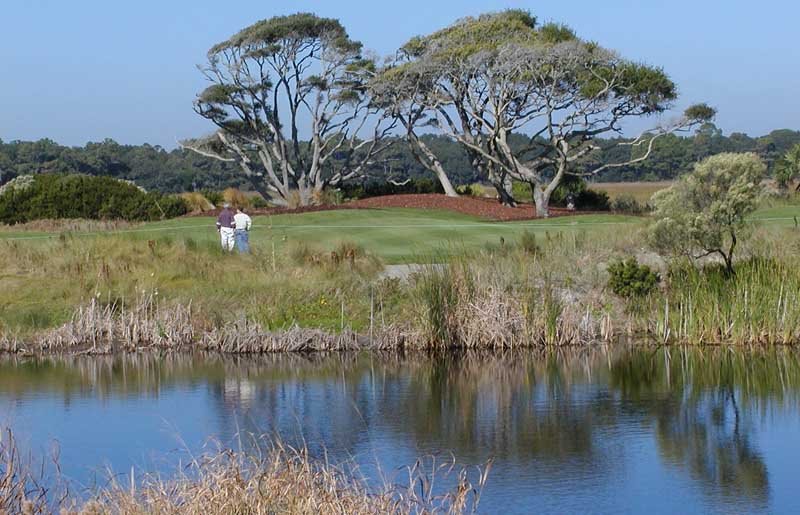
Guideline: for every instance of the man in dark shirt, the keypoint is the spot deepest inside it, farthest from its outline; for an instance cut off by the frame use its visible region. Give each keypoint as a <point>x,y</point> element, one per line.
<point>225,227</point>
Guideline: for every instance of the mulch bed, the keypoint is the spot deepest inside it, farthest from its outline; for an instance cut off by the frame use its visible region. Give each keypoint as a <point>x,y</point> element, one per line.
<point>489,209</point>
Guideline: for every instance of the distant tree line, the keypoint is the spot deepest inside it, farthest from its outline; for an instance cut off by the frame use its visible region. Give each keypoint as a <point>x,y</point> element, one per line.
<point>157,169</point>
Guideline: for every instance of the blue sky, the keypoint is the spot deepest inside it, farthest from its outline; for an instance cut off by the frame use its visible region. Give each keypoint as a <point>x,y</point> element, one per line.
<point>84,70</point>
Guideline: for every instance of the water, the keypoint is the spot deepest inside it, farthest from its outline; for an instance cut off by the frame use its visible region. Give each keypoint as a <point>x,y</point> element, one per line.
<point>601,431</point>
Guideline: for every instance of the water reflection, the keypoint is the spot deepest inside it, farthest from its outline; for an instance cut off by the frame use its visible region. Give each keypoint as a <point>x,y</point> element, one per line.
<point>580,419</point>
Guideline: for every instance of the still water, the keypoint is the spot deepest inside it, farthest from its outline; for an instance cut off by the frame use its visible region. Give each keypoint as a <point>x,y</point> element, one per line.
<point>594,430</point>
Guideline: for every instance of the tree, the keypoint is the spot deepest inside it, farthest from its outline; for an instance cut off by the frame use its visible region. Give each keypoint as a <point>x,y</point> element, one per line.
<point>503,74</point>
<point>406,94</point>
<point>787,168</point>
<point>277,75</point>
<point>704,213</point>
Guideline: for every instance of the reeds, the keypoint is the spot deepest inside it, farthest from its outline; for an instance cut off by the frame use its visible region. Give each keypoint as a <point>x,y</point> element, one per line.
<point>759,304</point>
<point>462,305</point>
<point>102,329</point>
<point>280,479</point>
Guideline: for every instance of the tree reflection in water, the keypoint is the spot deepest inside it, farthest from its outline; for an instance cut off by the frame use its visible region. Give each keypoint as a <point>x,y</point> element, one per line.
<point>560,413</point>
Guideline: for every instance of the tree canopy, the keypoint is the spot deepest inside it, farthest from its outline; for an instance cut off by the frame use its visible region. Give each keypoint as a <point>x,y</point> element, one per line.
<point>704,213</point>
<point>487,78</point>
<point>276,75</point>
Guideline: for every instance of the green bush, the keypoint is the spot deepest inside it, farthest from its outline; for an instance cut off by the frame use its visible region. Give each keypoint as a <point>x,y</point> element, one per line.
<point>527,242</point>
<point>629,205</point>
<point>50,196</point>
<point>215,197</point>
<point>630,279</point>
<point>377,189</point>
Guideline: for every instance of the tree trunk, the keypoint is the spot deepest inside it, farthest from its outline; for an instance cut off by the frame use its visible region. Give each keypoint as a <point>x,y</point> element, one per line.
<point>541,198</point>
<point>432,163</point>
<point>502,183</point>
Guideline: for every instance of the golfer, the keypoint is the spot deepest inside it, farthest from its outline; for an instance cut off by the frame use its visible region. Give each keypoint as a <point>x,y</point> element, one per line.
<point>243,223</point>
<point>225,227</point>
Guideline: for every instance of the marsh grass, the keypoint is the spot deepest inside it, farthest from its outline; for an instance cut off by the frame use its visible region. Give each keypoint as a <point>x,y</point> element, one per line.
<point>759,304</point>
<point>279,479</point>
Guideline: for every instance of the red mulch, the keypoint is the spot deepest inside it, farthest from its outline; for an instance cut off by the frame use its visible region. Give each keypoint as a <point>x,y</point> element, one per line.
<point>481,207</point>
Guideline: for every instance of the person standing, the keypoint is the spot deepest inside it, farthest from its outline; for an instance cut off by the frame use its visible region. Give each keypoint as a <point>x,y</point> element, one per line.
<point>243,223</point>
<point>225,227</point>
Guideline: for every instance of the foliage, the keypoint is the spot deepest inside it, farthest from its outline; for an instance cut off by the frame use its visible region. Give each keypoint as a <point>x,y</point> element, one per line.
<point>278,75</point>
<point>629,205</point>
<point>788,168</point>
<point>213,196</point>
<point>527,242</point>
<point>704,213</point>
<point>759,304</point>
<point>196,202</point>
<point>235,198</point>
<point>81,196</point>
<point>377,189</point>
<point>630,279</point>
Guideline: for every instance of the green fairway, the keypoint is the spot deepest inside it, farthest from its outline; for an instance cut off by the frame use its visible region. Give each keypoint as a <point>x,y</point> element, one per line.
<point>397,235</point>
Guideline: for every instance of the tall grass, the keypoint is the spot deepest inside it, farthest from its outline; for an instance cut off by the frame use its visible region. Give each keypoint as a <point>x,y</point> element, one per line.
<point>759,304</point>
<point>280,479</point>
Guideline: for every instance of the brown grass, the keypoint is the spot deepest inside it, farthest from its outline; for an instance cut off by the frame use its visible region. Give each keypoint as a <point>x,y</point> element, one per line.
<point>641,191</point>
<point>279,480</point>
<point>70,225</point>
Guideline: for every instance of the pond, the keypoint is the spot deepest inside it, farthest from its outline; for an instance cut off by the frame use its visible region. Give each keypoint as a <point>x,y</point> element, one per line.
<point>597,430</point>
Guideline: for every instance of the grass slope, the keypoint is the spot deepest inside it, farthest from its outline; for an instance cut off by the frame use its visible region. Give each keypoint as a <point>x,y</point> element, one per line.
<point>396,235</point>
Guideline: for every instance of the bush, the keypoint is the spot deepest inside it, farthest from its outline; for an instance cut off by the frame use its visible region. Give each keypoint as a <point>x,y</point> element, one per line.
<point>49,196</point>
<point>235,198</point>
<point>527,242</point>
<point>196,202</point>
<point>258,202</point>
<point>630,279</point>
<point>215,197</point>
<point>628,204</point>
<point>585,199</point>
<point>378,189</point>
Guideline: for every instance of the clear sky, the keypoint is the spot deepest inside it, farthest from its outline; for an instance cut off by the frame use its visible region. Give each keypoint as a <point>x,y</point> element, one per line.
<point>85,70</point>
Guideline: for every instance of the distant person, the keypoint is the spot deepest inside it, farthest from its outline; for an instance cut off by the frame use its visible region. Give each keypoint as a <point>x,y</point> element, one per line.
<point>225,227</point>
<point>243,223</point>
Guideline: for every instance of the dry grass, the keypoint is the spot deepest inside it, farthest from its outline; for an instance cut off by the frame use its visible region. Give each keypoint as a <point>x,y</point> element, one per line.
<point>641,191</point>
<point>70,225</point>
<point>197,202</point>
<point>279,480</point>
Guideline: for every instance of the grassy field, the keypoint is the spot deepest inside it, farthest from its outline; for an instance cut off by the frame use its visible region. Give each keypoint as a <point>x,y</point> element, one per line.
<point>395,235</point>
<point>46,275</point>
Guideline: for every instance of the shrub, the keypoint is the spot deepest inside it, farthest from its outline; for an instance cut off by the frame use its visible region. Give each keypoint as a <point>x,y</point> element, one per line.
<point>235,198</point>
<point>49,196</point>
<point>378,189</point>
<point>215,197</point>
<point>196,202</point>
<point>628,204</point>
<point>527,242</point>
<point>258,202</point>
<point>630,279</point>
<point>706,211</point>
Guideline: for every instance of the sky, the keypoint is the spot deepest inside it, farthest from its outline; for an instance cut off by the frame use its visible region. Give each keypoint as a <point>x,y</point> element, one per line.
<point>85,70</point>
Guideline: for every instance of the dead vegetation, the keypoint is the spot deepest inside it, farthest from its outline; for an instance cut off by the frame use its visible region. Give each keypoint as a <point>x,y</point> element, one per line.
<point>280,479</point>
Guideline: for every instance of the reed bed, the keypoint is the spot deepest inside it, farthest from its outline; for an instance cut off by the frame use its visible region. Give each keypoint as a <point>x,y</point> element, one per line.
<point>469,306</point>
<point>280,479</point>
<point>760,304</point>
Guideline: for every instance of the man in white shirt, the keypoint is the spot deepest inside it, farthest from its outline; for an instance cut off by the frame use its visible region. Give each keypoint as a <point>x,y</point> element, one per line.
<point>242,222</point>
